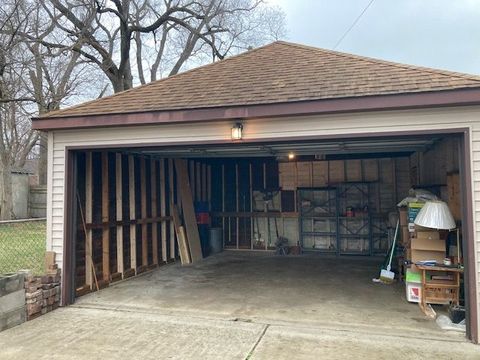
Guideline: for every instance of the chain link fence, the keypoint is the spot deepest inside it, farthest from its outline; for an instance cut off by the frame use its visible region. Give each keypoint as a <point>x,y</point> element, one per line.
<point>22,245</point>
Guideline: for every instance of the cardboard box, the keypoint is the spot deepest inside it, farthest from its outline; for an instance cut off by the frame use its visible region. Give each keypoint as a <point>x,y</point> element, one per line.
<point>413,210</point>
<point>403,216</point>
<point>405,236</point>
<point>422,255</point>
<point>429,241</point>
<point>413,292</point>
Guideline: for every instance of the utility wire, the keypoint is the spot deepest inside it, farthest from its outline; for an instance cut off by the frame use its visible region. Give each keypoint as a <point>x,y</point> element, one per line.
<point>353,24</point>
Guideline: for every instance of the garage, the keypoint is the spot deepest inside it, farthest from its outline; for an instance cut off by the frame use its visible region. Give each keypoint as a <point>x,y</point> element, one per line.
<point>290,160</point>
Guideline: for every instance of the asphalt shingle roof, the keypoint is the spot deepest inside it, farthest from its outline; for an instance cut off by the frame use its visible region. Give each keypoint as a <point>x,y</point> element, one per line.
<point>277,73</point>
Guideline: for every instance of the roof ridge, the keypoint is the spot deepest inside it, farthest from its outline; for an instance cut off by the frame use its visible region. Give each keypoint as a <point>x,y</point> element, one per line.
<point>60,111</point>
<point>387,62</point>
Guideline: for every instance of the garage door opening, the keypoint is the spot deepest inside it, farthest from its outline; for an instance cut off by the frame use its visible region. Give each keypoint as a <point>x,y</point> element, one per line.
<point>305,226</point>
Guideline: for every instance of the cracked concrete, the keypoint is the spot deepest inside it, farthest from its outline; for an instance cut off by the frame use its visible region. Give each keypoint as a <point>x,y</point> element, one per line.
<point>239,306</point>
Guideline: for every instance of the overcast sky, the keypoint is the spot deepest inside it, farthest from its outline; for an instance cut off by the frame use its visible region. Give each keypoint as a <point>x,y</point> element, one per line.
<point>442,34</point>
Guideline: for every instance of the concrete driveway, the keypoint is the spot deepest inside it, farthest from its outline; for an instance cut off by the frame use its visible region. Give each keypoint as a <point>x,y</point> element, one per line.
<point>239,307</point>
<point>89,333</point>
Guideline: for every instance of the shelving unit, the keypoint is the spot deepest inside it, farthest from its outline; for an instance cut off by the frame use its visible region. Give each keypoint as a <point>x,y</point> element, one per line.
<point>338,220</point>
<point>318,219</point>
<point>354,220</point>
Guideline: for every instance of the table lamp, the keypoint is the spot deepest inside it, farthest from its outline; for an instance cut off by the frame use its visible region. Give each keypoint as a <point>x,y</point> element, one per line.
<point>435,214</point>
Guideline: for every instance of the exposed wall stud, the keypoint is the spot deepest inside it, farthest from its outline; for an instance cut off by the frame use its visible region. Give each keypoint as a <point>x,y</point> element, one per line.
<point>105,219</point>
<point>153,184</point>
<point>88,219</point>
<point>119,212</point>
<point>131,200</point>
<point>163,209</point>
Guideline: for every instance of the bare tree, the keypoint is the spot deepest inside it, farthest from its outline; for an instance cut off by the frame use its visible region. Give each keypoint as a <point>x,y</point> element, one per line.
<point>161,36</point>
<point>34,80</point>
<point>16,139</point>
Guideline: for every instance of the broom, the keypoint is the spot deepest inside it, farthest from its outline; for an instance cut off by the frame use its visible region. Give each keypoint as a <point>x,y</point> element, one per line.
<point>386,275</point>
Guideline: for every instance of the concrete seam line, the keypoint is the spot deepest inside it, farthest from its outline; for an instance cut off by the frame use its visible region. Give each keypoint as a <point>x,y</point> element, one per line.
<point>260,337</point>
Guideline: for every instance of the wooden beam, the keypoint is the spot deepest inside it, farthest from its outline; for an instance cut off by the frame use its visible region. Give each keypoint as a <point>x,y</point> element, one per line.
<point>119,211</point>
<point>143,210</point>
<point>251,203</point>
<point>198,181</point>
<point>88,218</point>
<point>223,203</point>
<point>209,187</point>
<point>188,210</point>
<point>237,204</point>
<point>153,194</point>
<point>131,200</point>
<point>191,176</point>
<point>105,218</point>
<point>172,201</point>
<point>163,210</point>
<point>204,182</point>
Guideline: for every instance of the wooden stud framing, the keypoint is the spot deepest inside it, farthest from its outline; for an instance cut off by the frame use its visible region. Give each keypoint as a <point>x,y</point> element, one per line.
<point>209,187</point>
<point>237,203</point>
<point>143,210</point>
<point>198,181</point>
<point>163,209</point>
<point>267,219</point>
<point>153,184</point>
<point>251,204</point>
<point>88,219</point>
<point>191,177</point>
<point>131,200</point>
<point>119,213</point>
<point>204,182</point>
<point>172,201</point>
<point>223,204</point>
<point>105,219</point>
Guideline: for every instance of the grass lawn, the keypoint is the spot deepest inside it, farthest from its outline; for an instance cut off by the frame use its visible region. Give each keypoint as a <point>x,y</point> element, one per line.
<point>22,246</point>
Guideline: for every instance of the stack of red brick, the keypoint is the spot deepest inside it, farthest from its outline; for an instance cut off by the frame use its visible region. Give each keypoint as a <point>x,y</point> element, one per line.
<point>42,293</point>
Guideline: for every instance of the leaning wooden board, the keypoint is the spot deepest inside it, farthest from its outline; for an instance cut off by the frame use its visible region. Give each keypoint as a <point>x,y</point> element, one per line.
<point>188,210</point>
<point>181,237</point>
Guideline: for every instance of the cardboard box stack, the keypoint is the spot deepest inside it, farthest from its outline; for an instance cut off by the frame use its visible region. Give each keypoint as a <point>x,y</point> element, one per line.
<point>42,293</point>
<point>420,244</point>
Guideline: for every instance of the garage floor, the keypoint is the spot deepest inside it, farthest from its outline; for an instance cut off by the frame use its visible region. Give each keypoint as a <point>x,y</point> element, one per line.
<point>261,287</point>
<point>241,306</point>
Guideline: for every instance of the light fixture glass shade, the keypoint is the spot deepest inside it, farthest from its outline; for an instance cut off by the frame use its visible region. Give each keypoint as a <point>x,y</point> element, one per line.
<point>237,132</point>
<point>435,215</point>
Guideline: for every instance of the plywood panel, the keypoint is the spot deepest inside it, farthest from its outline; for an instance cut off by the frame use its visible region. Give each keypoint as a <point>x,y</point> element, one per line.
<point>304,174</point>
<point>287,175</point>
<point>320,173</point>
<point>336,171</point>
<point>370,169</point>
<point>353,170</point>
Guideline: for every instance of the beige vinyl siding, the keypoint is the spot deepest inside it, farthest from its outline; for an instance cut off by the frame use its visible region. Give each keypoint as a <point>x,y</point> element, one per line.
<point>261,129</point>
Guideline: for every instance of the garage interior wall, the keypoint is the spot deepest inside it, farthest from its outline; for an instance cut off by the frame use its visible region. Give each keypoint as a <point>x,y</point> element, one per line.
<point>124,224</point>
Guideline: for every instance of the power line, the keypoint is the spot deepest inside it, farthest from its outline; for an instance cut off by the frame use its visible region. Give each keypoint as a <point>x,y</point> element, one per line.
<point>353,24</point>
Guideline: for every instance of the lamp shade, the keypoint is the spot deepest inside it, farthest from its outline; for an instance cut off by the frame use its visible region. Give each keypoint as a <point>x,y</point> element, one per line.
<point>435,215</point>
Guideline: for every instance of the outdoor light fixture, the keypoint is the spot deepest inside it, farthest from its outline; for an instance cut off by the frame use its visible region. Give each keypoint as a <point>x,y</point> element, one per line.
<point>291,156</point>
<point>437,215</point>
<point>237,131</point>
